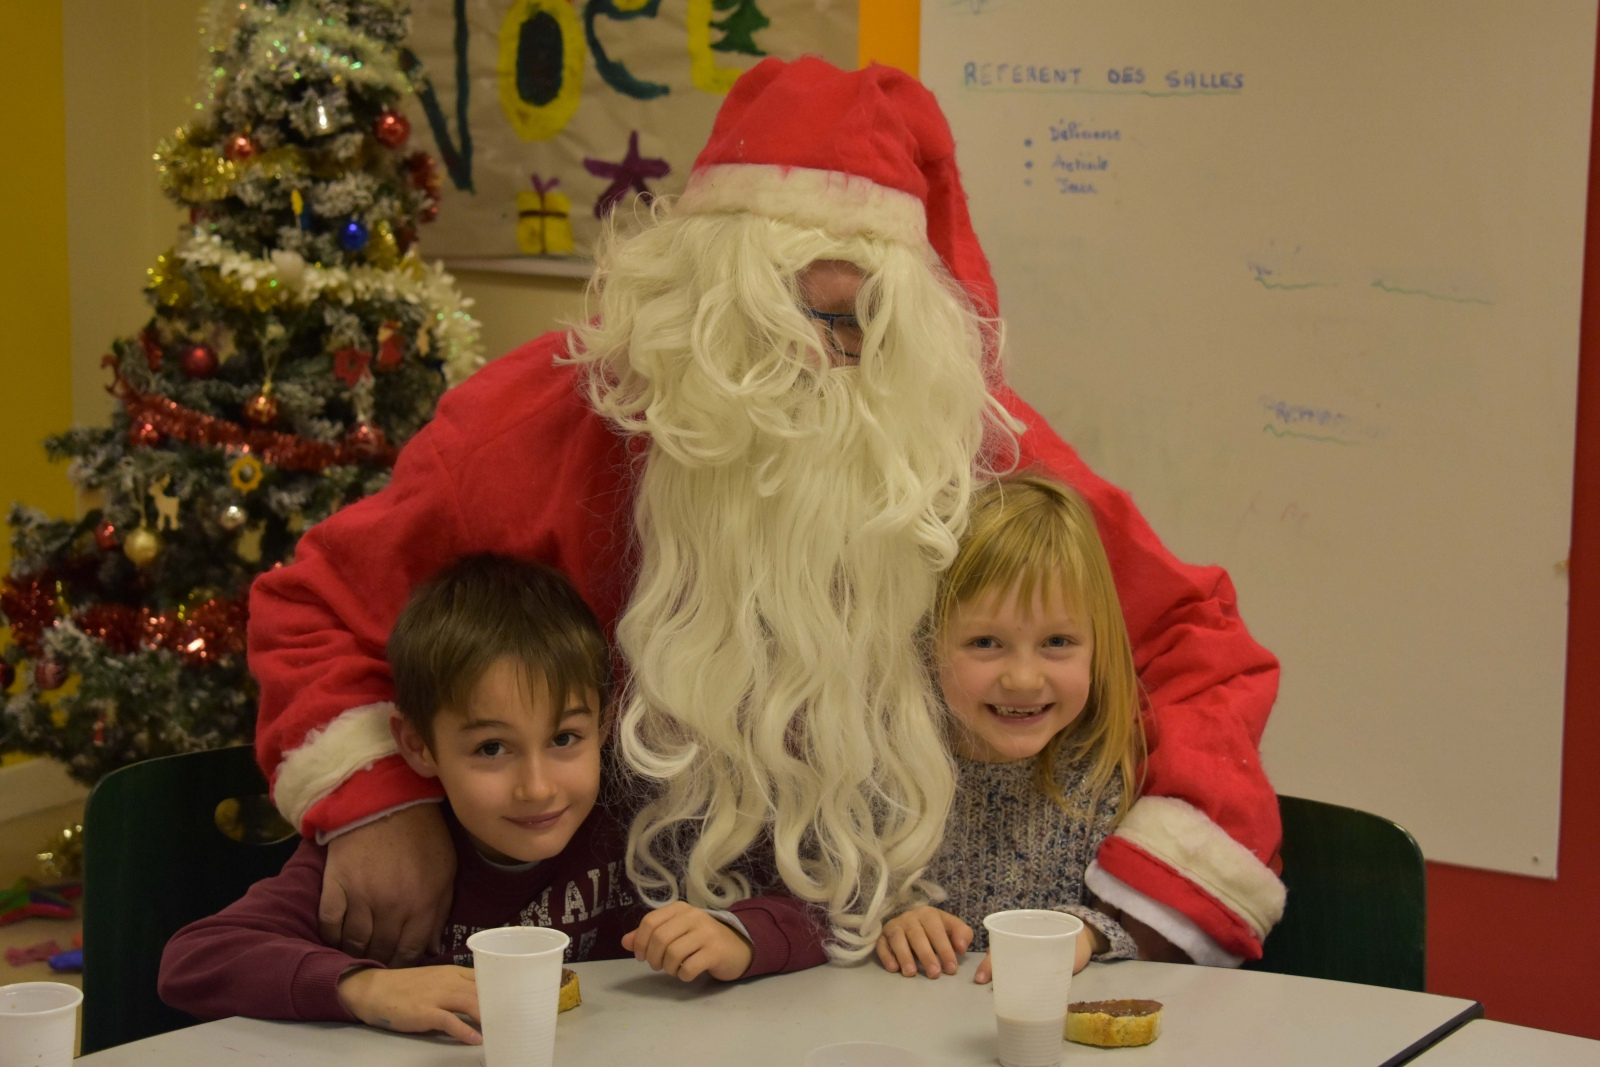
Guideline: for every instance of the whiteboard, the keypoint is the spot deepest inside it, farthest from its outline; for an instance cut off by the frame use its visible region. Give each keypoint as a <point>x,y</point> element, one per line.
<point>1305,280</point>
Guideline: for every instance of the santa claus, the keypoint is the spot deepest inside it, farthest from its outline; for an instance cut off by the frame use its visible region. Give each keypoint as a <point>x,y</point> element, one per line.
<point>754,461</point>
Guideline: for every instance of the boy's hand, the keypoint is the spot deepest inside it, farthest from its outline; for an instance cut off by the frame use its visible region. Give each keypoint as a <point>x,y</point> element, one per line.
<point>414,1000</point>
<point>386,888</point>
<point>934,937</point>
<point>686,942</point>
<point>1090,941</point>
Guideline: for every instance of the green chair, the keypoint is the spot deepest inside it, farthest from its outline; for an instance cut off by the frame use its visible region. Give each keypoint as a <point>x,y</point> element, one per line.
<point>1357,904</point>
<point>156,858</point>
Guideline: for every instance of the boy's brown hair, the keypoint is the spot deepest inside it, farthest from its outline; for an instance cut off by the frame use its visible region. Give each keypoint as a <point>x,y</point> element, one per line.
<point>480,608</point>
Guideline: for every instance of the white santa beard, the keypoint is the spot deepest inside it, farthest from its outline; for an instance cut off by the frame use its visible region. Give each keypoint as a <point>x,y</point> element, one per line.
<point>774,643</point>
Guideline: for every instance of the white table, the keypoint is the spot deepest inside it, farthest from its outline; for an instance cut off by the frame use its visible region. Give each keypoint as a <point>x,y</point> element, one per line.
<point>631,1015</point>
<point>1489,1044</point>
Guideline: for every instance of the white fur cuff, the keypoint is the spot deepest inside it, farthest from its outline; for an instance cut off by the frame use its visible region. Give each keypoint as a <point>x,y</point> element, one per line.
<point>1170,923</point>
<point>1185,839</point>
<point>842,204</point>
<point>327,757</point>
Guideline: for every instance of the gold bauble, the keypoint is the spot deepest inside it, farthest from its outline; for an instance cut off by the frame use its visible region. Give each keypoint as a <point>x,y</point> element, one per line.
<point>142,546</point>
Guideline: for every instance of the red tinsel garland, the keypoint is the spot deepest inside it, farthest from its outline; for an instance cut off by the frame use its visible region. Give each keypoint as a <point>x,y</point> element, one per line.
<point>166,416</point>
<point>207,632</point>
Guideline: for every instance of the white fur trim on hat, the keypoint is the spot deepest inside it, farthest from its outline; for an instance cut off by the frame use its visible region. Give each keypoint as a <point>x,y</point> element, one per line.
<point>1165,920</point>
<point>1185,839</point>
<point>354,741</point>
<point>843,204</point>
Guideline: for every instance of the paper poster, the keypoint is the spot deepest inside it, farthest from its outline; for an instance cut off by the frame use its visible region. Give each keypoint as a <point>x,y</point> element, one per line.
<point>545,114</point>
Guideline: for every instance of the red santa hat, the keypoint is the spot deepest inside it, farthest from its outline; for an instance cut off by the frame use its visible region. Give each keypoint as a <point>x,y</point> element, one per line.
<point>850,152</point>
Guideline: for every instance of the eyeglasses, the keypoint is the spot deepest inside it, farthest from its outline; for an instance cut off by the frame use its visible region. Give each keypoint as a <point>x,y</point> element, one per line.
<point>844,331</point>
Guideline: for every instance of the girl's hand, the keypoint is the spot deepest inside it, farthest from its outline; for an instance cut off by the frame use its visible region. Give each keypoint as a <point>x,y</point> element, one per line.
<point>685,942</point>
<point>1090,941</point>
<point>934,937</point>
<point>414,1000</point>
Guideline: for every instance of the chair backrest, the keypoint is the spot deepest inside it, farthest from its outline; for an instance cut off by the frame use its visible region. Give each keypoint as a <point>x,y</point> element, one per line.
<point>1357,903</point>
<point>155,860</point>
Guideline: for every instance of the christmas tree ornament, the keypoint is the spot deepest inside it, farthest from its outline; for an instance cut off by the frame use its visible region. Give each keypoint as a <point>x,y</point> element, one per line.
<point>8,674</point>
<point>391,346</point>
<point>246,473</point>
<point>350,365</point>
<point>144,435</point>
<point>262,409</point>
<point>384,251</point>
<point>367,439</point>
<point>106,536</point>
<point>199,361</point>
<point>406,238</point>
<point>152,348</point>
<point>99,735</point>
<point>420,169</point>
<point>353,236</point>
<point>429,213</point>
<point>142,546</point>
<point>49,674</point>
<point>302,213</point>
<point>391,129</point>
<point>63,857</point>
<point>232,518</point>
<point>238,148</point>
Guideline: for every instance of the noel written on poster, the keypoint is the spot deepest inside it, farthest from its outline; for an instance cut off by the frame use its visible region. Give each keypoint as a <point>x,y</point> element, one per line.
<point>548,114</point>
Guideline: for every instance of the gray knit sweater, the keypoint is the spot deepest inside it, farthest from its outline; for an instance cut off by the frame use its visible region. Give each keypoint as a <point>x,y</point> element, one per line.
<point>1007,845</point>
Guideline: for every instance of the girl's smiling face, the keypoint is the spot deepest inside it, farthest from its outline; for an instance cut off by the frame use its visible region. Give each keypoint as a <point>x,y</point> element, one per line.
<point>1015,675</point>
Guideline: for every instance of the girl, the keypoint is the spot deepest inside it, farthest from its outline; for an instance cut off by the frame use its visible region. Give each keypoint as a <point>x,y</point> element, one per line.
<point>1035,667</point>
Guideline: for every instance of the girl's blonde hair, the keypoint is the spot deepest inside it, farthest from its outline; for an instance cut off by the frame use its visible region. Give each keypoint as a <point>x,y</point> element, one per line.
<point>1025,535</point>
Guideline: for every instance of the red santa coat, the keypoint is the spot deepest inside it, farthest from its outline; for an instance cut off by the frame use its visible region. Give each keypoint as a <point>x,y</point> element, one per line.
<point>516,462</point>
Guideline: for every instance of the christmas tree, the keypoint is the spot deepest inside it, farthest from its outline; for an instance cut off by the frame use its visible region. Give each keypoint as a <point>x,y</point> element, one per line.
<point>297,341</point>
<point>740,26</point>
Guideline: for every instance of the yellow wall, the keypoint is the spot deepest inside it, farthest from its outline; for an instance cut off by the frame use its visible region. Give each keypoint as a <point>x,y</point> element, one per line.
<point>35,365</point>
<point>890,33</point>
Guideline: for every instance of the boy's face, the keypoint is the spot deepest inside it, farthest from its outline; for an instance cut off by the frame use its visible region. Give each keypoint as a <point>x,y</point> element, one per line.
<point>521,776</point>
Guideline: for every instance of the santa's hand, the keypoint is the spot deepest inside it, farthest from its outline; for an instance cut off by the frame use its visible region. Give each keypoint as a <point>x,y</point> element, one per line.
<point>933,937</point>
<point>386,888</point>
<point>686,942</point>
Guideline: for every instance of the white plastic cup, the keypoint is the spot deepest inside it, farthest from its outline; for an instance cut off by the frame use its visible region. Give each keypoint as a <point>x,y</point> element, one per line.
<point>863,1054</point>
<point>38,1024</point>
<point>1031,953</point>
<point>518,971</point>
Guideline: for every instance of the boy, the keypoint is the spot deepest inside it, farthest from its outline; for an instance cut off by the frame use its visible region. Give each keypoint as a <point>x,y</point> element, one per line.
<point>501,677</point>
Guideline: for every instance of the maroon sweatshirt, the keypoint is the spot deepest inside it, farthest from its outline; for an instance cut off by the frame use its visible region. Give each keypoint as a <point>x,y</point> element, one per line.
<point>262,956</point>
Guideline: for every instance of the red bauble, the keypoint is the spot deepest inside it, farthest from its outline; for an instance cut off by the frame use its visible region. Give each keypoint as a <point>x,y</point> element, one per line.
<point>391,129</point>
<point>48,674</point>
<point>238,147</point>
<point>8,674</point>
<point>420,166</point>
<point>367,439</point>
<point>350,365</point>
<point>261,409</point>
<point>144,435</point>
<point>199,361</point>
<point>106,536</point>
<point>152,347</point>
